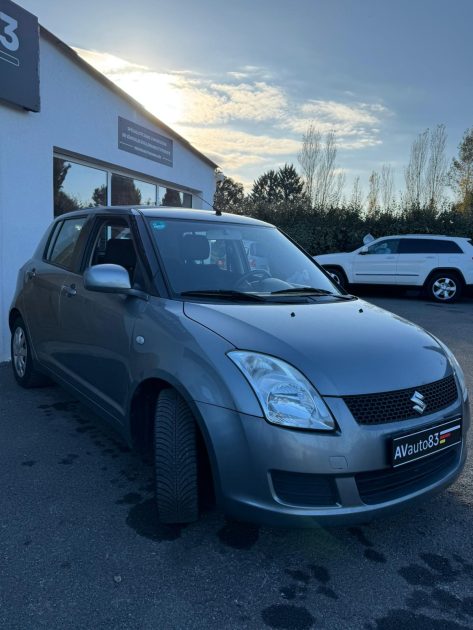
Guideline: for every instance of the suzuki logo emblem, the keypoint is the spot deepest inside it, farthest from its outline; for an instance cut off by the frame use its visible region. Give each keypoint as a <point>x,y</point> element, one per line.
<point>419,404</point>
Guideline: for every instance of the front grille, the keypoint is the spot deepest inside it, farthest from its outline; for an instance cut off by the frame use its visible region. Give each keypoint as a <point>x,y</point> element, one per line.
<point>392,483</point>
<point>304,489</point>
<point>397,405</point>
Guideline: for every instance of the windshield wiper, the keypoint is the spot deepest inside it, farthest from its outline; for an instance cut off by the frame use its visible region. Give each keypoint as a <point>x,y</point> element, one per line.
<point>225,294</point>
<point>312,291</point>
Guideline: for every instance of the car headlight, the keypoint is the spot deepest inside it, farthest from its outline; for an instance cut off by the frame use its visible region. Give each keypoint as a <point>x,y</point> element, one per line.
<point>286,396</point>
<point>456,368</point>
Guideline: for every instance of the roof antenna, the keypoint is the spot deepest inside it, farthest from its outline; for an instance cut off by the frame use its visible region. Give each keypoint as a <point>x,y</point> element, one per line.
<point>217,211</point>
<point>219,177</point>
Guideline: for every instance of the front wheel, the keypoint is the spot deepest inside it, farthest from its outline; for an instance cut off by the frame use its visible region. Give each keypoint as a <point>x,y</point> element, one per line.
<point>23,366</point>
<point>175,458</point>
<point>444,287</point>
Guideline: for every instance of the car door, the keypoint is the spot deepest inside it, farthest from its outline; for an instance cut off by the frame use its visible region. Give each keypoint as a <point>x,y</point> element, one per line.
<point>417,258</point>
<point>376,264</point>
<point>44,281</point>
<point>97,328</point>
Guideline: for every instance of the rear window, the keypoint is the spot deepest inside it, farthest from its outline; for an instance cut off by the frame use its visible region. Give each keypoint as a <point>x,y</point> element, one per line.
<point>64,239</point>
<point>428,246</point>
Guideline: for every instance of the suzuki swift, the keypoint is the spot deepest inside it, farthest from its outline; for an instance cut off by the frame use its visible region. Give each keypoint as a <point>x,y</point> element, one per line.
<point>295,401</point>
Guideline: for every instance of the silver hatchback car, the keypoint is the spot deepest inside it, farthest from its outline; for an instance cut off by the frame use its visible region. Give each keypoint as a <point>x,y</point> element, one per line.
<point>295,401</point>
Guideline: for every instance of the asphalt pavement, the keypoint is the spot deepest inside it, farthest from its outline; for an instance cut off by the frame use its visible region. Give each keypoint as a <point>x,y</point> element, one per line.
<point>80,546</point>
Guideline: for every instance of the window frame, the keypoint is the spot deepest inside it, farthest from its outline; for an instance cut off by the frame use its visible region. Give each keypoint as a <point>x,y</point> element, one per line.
<point>432,243</point>
<point>99,219</point>
<point>112,169</point>
<point>78,247</point>
<point>384,240</point>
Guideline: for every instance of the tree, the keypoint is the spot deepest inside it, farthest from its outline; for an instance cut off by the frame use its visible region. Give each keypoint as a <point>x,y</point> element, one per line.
<point>266,188</point>
<point>436,175</point>
<point>373,194</point>
<point>283,186</point>
<point>99,196</point>
<point>387,187</point>
<point>62,201</point>
<point>124,191</point>
<point>229,196</point>
<point>290,184</point>
<point>414,174</point>
<point>356,199</point>
<point>325,179</point>
<point>309,157</point>
<point>461,172</point>
<point>171,198</point>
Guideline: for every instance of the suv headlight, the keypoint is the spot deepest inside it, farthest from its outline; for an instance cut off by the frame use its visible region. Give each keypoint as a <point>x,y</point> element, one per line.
<point>286,396</point>
<point>456,368</point>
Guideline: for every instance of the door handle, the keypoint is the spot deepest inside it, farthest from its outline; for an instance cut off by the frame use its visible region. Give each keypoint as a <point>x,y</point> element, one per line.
<point>69,290</point>
<point>390,257</point>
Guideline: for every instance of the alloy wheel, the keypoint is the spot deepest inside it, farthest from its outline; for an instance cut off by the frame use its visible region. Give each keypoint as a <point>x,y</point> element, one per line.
<point>20,352</point>
<point>444,289</point>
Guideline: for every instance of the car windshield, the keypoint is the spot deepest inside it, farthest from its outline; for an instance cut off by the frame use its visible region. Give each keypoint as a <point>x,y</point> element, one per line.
<point>234,259</point>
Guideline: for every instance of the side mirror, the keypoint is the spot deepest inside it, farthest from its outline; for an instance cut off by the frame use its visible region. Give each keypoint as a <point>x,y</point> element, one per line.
<point>364,251</point>
<point>107,279</point>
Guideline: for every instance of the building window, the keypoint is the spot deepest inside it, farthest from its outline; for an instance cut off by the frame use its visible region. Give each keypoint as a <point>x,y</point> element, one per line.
<point>128,192</point>
<point>77,186</point>
<point>173,197</point>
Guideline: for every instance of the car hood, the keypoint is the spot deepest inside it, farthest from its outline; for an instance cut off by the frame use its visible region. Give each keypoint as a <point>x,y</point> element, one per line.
<point>343,348</point>
<point>335,256</point>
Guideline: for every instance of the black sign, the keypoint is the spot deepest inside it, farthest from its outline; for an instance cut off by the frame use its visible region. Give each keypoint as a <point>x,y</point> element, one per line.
<point>144,142</point>
<point>19,56</point>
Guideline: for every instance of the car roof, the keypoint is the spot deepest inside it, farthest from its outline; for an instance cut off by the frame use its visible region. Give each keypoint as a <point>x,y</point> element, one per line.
<point>465,238</point>
<point>167,212</point>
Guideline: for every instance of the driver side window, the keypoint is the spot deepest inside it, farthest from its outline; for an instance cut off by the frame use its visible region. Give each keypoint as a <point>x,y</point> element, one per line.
<point>388,246</point>
<point>114,245</point>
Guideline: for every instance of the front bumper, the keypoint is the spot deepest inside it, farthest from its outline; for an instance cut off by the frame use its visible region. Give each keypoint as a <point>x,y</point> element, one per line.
<point>250,457</point>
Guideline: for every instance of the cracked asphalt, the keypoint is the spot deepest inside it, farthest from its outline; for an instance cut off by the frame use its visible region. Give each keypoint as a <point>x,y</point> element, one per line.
<point>80,546</point>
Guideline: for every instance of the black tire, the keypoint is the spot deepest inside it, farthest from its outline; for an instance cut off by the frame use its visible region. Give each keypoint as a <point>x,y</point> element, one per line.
<point>175,459</point>
<point>24,369</point>
<point>338,275</point>
<point>444,287</point>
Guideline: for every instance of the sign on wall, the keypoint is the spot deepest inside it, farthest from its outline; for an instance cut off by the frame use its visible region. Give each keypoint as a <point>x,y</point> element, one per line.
<point>19,56</point>
<point>144,142</point>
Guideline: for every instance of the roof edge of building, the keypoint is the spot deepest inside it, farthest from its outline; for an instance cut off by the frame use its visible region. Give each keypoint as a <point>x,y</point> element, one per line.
<point>106,82</point>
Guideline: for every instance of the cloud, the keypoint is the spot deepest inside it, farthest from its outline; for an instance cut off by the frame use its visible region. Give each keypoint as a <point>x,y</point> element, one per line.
<point>233,149</point>
<point>339,112</point>
<point>244,119</point>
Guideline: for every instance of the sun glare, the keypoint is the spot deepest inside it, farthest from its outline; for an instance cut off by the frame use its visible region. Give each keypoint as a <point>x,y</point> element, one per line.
<point>159,93</point>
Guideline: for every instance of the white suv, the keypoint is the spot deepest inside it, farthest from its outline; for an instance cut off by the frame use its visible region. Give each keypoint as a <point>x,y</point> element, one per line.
<point>443,265</point>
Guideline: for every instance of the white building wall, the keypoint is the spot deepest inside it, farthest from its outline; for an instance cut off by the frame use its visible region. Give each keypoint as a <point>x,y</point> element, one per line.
<point>78,114</point>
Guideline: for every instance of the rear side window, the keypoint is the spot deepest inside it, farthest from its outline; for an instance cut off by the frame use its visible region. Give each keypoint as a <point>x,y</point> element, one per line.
<point>428,246</point>
<point>449,247</point>
<point>63,243</point>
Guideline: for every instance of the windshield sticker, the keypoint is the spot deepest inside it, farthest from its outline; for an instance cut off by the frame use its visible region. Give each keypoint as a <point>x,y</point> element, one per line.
<point>158,225</point>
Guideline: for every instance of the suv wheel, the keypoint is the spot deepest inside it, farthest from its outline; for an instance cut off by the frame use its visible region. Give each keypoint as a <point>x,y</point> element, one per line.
<point>338,275</point>
<point>175,459</point>
<point>21,358</point>
<point>444,287</point>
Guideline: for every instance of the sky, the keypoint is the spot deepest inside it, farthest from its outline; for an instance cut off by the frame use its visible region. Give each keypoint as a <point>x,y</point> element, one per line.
<point>243,80</point>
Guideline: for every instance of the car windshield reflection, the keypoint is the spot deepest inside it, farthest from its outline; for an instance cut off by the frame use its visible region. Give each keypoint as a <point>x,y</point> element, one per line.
<point>199,256</point>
